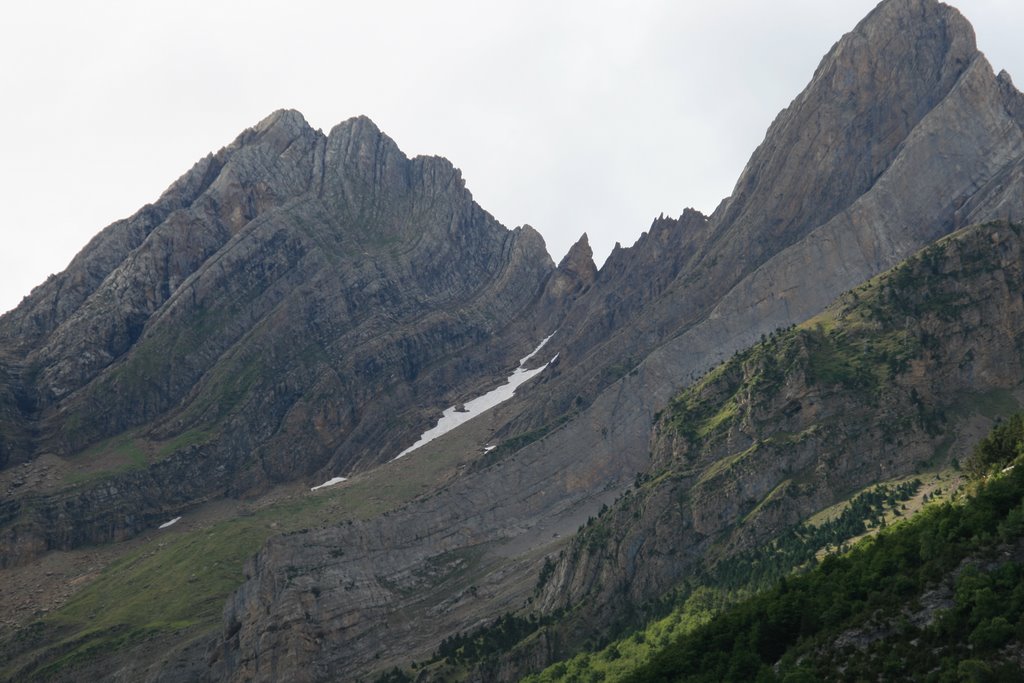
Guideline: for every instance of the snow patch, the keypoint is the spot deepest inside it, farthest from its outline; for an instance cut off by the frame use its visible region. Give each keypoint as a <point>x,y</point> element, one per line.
<point>330,482</point>
<point>167,524</point>
<point>452,418</point>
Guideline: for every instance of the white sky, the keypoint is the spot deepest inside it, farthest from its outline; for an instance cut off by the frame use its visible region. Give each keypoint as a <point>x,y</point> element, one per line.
<point>571,116</point>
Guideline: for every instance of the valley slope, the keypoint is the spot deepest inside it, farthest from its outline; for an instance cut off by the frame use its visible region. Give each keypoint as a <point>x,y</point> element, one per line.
<point>301,306</point>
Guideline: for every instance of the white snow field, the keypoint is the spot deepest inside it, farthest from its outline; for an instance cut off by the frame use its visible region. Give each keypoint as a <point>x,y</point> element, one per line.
<point>330,482</point>
<point>452,418</point>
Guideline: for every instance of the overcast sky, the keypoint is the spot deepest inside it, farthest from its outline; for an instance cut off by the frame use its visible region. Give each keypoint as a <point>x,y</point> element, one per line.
<point>570,116</point>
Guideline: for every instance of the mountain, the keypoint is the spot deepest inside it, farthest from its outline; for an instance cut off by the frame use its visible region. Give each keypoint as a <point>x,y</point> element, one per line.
<point>275,313</point>
<point>882,153</point>
<point>897,378</point>
<point>948,612</point>
<point>300,306</point>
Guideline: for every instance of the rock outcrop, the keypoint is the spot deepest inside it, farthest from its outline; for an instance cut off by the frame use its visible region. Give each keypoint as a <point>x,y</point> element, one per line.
<point>903,135</point>
<point>302,305</point>
<point>900,375</point>
<point>278,311</point>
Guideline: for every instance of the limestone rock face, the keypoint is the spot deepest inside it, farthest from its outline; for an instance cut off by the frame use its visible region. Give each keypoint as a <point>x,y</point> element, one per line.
<point>903,135</point>
<point>893,143</point>
<point>300,306</point>
<point>579,260</point>
<point>276,311</point>
<point>900,372</point>
<point>845,130</point>
<point>573,277</point>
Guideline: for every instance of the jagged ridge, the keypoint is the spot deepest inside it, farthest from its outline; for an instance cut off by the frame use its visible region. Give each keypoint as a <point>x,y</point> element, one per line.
<point>719,286</point>
<point>269,317</point>
<point>894,143</point>
<point>898,377</point>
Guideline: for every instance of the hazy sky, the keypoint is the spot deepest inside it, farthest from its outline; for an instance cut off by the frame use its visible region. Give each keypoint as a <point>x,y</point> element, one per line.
<point>570,116</point>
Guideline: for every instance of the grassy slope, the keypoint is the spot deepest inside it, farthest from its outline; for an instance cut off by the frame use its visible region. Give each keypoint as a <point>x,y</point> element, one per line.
<point>717,590</point>
<point>158,589</point>
<point>865,615</point>
<point>177,582</point>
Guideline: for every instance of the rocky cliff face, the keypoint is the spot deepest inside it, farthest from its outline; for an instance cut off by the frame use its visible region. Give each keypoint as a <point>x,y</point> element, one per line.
<point>278,311</point>
<point>301,305</point>
<point>900,375</point>
<point>893,144</point>
<point>903,134</point>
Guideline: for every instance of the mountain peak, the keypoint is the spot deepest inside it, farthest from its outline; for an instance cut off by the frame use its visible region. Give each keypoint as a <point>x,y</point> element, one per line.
<point>278,129</point>
<point>579,261</point>
<point>291,119</point>
<point>360,126</point>
<point>300,306</point>
<point>359,145</point>
<point>578,256</point>
<point>846,128</point>
<point>926,27</point>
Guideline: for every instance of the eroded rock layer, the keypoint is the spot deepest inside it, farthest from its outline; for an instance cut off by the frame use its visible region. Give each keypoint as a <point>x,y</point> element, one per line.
<point>279,311</point>
<point>903,135</point>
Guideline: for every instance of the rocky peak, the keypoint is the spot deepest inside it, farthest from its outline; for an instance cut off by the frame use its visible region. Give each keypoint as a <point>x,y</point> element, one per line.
<point>530,235</point>
<point>285,120</point>
<point>573,277</point>
<point>579,261</point>
<point>366,177</point>
<point>279,130</point>
<point>1012,98</point>
<point>348,284</point>
<point>846,128</point>
<point>234,184</point>
<point>319,336</point>
<point>358,145</point>
<point>668,240</point>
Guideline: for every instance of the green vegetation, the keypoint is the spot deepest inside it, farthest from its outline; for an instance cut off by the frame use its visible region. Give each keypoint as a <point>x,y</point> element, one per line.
<point>718,626</point>
<point>129,452</point>
<point>191,437</point>
<point>1003,444</point>
<point>867,351</point>
<point>114,456</point>
<point>874,593</point>
<point>732,580</point>
<point>761,567</point>
<point>171,586</point>
<point>701,410</point>
<point>546,572</point>
<point>177,581</point>
<point>859,345</point>
<point>622,657</point>
<point>857,356</point>
<point>498,636</point>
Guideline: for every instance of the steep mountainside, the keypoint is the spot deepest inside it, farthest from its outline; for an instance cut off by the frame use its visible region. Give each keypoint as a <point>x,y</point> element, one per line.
<point>898,377</point>
<point>280,310</point>
<point>935,132</point>
<point>938,598</point>
<point>300,306</point>
<point>893,144</point>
